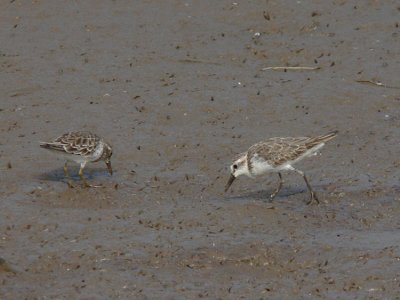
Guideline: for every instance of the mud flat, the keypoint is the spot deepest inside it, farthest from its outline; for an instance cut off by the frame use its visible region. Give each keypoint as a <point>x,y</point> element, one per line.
<point>178,88</point>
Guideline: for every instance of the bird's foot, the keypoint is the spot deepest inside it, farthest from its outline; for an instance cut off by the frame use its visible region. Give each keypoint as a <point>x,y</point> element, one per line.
<point>273,195</point>
<point>87,185</point>
<point>313,199</point>
<point>70,185</point>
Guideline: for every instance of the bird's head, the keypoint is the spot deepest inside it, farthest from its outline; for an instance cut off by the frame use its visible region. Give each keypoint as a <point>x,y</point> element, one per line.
<point>237,168</point>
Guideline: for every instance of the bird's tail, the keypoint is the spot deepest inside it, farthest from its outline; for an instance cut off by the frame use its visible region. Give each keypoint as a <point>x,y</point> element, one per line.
<point>44,145</point>
<point>322,139</point>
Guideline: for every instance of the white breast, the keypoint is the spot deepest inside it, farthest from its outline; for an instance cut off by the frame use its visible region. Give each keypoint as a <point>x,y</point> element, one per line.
<point>259,166</point>
<point>97,153</point>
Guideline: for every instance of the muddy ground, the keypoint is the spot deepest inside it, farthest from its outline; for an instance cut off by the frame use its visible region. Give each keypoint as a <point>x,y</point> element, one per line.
<point>178,89</point>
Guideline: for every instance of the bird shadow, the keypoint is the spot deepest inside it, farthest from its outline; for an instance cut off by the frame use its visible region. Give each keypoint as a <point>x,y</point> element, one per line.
<point>58,174</point>
<point>265,195</point>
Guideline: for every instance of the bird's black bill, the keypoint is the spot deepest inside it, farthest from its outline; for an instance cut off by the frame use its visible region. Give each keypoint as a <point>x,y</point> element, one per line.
<point>109,167</point>
<point>230,181</point>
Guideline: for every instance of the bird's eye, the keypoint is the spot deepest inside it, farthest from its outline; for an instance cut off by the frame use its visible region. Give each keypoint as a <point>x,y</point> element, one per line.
<point>235,167</point>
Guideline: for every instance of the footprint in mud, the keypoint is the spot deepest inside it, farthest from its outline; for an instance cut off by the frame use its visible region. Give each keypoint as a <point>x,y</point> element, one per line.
<point>5,267</point>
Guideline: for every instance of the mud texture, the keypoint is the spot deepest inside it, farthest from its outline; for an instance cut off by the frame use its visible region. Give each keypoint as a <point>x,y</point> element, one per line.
<point>177,88</point>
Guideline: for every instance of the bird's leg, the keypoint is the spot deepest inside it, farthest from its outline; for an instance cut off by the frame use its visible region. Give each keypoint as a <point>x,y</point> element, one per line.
<point>85,184</point>
<point>66,174</point>
<point>278,188</point>
<point>313,196</point>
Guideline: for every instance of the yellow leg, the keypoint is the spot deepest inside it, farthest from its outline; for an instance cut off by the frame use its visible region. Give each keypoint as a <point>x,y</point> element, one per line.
<point>66,174</point>
<point>85,184</point>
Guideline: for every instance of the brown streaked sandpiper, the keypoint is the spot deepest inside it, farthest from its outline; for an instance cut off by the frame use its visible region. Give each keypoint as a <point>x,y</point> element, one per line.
<point>81,147</point>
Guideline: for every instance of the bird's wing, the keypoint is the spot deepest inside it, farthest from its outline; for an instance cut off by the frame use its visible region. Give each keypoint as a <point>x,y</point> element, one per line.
<point>75,143</point>
<point>277,151</point>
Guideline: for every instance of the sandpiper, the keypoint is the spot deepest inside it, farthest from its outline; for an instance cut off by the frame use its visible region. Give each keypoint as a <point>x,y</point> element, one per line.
<point>81,147</point>
<point>276,155</point>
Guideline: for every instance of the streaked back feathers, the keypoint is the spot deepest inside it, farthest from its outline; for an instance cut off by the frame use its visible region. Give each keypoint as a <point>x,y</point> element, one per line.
<point>81,143</point>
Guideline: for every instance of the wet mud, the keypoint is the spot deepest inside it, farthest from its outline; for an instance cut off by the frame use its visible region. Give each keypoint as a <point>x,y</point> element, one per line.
<point>178,88</point>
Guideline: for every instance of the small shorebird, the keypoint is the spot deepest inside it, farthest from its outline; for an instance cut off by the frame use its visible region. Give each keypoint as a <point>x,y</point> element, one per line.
<point>276,155</point>
<point>81,147</point>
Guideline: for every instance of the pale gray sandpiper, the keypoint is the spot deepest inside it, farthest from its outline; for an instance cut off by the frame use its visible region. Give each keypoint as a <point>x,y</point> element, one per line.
<point>80,147</point>
<point>276,155</point>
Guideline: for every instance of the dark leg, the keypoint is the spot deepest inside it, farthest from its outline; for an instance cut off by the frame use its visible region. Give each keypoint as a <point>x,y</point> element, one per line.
<point>66,174</point>
<point>278,188</point>
<point>313,196</point>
